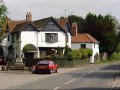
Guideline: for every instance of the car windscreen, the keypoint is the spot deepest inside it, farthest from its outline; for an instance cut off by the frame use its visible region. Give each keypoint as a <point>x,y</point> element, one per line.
<point>43,63</point>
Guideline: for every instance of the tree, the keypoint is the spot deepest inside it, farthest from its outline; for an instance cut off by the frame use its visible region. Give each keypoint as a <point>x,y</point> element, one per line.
<point>58,51</point>
<point>67,51</point>
<point>79,20</point>
<point>104,29</point>
<point>3,11</point>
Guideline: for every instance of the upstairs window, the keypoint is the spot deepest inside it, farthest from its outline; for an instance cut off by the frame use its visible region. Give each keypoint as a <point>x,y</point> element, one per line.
<point>12,38</point>
<point>83,45</point>
<point>51,37</point>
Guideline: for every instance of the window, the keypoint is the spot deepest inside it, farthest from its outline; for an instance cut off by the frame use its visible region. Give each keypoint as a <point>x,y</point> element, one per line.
<point>51,37</point>
<point>12,38</point>
<point>83,45</point>
<point>17,35</point>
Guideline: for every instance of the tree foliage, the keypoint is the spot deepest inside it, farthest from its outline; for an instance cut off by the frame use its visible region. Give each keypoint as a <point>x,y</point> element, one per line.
<point>58,51</point>
<point>3,11</point>
<point>79,20</point>
<point>80,54</point>
<point>104,28</point>
<point>67,51</point>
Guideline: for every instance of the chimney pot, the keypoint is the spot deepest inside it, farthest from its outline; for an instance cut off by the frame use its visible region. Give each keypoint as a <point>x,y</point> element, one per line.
<point>29,16</point>
<point>74,29</point>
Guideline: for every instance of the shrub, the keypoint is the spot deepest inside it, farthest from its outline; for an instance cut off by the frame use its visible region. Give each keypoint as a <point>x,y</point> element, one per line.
<point>80,54</point>
<point>115,56</point>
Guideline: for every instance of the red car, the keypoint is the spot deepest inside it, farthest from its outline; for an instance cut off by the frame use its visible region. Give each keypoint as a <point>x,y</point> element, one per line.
<point>45,66</point>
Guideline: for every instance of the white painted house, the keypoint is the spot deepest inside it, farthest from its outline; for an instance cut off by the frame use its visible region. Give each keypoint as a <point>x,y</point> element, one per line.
<point>84,40</point>
<point>43,36</point>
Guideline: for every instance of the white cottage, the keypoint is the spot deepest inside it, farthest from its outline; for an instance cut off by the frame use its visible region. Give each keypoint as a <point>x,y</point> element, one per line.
<point>84,40</point>
<point>34,39</point>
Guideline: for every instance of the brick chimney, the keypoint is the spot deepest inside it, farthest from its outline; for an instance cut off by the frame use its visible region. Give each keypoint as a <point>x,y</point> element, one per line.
<point>28,16</point>
<point>74,29</point>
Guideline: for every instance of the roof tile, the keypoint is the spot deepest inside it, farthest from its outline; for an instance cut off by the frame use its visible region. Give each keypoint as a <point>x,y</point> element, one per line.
<point>83,38</point>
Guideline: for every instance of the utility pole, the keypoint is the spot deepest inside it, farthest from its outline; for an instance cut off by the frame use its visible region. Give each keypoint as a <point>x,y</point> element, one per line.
<point>30,5</point>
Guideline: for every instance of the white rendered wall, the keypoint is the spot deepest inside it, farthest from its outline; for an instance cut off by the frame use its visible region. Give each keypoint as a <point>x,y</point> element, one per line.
<point>5,41</point>
<point>28,37</point>
<point>78,45</point>
<point>69,40</point>
<point>61,40</point>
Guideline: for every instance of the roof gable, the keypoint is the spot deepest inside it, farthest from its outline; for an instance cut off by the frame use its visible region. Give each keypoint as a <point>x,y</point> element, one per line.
<point>26,26</point>
<point>51,26</point>
<point>29,27</point>
<point>48,24</point>
<point>40,23</point>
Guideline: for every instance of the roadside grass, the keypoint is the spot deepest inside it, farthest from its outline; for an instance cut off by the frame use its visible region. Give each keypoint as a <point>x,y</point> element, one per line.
<point>115,57</point>
<point>107,61</point>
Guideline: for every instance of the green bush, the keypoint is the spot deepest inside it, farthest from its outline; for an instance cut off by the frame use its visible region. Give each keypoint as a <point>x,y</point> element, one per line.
<point>115,56</point>
<point>80,54</point>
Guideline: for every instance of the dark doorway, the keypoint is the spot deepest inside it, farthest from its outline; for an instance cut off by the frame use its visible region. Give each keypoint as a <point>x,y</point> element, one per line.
<point>29,55</point>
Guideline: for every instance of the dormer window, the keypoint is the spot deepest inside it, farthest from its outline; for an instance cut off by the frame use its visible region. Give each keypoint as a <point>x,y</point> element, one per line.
<point>51,37</point>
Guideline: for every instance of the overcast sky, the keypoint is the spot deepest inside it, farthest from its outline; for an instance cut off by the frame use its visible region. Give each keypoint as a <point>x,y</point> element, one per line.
<point>44,8</point>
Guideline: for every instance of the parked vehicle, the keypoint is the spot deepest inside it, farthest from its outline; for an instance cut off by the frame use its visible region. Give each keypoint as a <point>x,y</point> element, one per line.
<point>45,66</point>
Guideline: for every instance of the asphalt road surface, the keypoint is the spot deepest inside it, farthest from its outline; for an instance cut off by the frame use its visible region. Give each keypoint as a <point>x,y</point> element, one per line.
<point>93,77</point>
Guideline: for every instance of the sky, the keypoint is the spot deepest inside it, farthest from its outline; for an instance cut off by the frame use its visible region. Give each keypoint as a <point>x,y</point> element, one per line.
<point>17,9</point>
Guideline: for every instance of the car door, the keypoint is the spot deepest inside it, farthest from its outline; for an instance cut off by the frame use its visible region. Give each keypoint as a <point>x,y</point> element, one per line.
<point>53,65</point>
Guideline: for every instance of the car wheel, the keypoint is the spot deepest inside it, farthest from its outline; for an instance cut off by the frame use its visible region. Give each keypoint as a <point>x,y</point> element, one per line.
<point>51,71</point>
<point>56,71</point>
<point>34,72</point>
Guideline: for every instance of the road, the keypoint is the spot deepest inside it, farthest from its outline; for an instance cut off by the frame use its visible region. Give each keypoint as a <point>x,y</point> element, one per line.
<point>93,77</point>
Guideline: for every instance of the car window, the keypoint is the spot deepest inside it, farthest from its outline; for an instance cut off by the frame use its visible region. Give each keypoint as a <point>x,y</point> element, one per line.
<point>51,63</point>
<point>43,63</point>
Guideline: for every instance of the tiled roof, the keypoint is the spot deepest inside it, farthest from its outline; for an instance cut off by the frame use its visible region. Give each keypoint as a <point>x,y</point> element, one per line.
<point>13,23</point>
<point>16,26</point>
<point>19,26</point>
<point>62,22</point>
<point>83,38</point>
<point>40,23</point>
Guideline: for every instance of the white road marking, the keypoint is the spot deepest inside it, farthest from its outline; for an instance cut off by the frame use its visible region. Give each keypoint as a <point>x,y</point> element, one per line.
<point>56,88</point>
<point>86,73</point>
<point>83,75</point>
<point>44,76</point>
<point>98,68</point>
<point>114,84</point>
<point>91,72</point>
<point>70,81</point>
